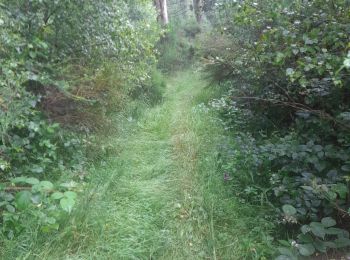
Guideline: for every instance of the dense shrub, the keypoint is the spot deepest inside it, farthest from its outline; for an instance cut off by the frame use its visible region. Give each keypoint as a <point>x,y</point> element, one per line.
<point>66,65</point>
<point>286,65</point>
<point>177,48</point>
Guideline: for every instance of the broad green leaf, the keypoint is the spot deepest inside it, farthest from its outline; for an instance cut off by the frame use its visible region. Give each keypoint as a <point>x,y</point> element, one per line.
<point>308,188</point>
<point>8,197</point>
<point>285,243</point>
<point>328,222</point>
<point>318,229</point>
<point>46,185</point>
<point>23,199</point>
<point>320,246</point>
<point>306,249</point>
<point>19,180</point>
<point>289,210</point>
<point>285,251</point>
<point>342,242</point>
<point>334,231</point>
<point>70,195</point>
<point>43,186</point>
<point>305,238</point>
<point>32,54</point>
<point>32,181</point>
<point>347,63</point>
<point>36,199</point>
<point>279,57</point>
<point>330,244</point>
<point>10,208</point>
<point>67,204</point>
<point>341,189</point>
<point>69,185</point>
<point>50,220</point>
<point>37,169</point>
<point>57,195</point>
<point>26,180</point>
<point>346,168</point>
<point>331,195</point>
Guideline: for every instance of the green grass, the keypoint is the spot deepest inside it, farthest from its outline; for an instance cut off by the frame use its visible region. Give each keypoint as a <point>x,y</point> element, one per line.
<point>160,196</point>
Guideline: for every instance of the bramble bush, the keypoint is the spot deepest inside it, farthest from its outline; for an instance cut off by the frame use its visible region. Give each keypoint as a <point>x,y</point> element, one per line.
<point>66,66</point>
<point>286,65</point>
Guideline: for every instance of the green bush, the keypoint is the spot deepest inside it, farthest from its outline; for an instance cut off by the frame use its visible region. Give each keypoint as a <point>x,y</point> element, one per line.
<point>286,64</point>
<point>154,89</point>
<point>177,48</point>
<point>151,90</point>
<point>66,65</point>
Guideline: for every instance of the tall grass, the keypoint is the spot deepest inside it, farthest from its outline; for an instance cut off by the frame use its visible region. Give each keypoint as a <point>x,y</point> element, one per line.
<point>158,194</point>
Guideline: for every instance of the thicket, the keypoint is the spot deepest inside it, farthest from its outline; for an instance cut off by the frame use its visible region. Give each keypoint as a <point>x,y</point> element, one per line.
<point>285,68</point>
<point>66,67</point>
<point>178,48</point>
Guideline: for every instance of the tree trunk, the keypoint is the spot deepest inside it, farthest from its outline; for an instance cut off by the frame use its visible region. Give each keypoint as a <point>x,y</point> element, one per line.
<point>198,9</point>
<point>185,7</point>
<point>162,8</point>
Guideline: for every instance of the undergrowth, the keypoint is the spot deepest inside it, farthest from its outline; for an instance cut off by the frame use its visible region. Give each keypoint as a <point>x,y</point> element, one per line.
<point>159,193</point>
<point>284,65</point>
<point>178,47</point>
<point>66,73</point>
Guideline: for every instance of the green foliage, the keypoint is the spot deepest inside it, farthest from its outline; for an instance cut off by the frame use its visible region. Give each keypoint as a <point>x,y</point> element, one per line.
<point>152,89</point>
<point>133,206</point>
<point>177,47</point>
<point>35,201</point>
<point>65,65</point>
<point>286,66</point>
<point>317,236</point>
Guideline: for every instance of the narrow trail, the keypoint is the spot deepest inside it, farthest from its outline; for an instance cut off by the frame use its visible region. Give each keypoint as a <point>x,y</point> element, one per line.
<point>157,210</point>
<point>154,204</point>
<point>160,196</point>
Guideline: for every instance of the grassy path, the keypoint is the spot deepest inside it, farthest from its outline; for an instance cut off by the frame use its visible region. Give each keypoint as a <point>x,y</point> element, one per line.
<point>161,197</point>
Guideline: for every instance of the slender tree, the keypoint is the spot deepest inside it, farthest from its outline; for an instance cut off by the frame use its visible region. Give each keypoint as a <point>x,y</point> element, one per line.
<point>185,7</point>
<point>162,8</point>
<point>198,9</point>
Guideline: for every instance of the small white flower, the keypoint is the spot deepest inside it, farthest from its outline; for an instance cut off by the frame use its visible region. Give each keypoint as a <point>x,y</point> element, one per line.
<point>294,243</point>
